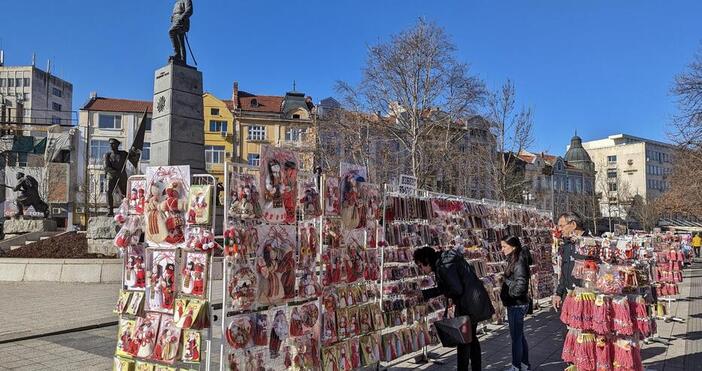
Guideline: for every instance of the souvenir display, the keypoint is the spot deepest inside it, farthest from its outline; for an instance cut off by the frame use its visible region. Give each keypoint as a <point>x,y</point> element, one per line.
<point>168,187</point>
<point>163,303</point>
<point>145,335</point>
<point>308,196</point>
<point>168,341</point>
<point>332,197</point>
<point>122,302</point>
<point>135,268</point>
<point>130,232</point>
<point>608,314</point>
<point>136,304</point>
<point>353,209</point>
<point>137,196</point>
<point>275,264</point>
<point>244,197</point>
<point>199,208</point>
<point>161,289</point>
<point>122,364</point>
<point>126,343</point>
<point>195,315</point>
<point>241,286</point>
<point>278,185</point>
<point>200,238</point>
<point>193,276</point>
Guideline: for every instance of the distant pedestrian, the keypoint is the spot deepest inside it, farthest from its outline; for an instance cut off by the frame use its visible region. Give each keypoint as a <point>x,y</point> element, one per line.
<point>696,244</point>
<point>456,279</point>
<point>515,297</point>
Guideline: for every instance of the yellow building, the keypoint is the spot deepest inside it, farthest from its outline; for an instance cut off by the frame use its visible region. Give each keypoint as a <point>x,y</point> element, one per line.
<point>283,121</point>
<point>219,134</point>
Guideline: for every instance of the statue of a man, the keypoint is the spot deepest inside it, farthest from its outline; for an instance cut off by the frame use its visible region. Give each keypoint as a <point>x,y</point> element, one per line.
<point>180,25</point>
<point>115,172</point>
<point>28,189</point>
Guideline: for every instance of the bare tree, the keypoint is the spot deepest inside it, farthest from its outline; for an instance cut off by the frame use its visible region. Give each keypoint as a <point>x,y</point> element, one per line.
<point>513,130</point>
<point>688,121</point>
<point>646,211</point>
<point>685,192</point>
<point>418,90</point>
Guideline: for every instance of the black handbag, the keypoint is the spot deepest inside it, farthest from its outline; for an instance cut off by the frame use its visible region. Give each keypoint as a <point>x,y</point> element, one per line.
<point>454,331</point>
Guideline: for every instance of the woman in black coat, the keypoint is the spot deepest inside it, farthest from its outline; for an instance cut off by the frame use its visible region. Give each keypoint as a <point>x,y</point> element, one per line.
<point>455,279</point>
<point>515,297</point>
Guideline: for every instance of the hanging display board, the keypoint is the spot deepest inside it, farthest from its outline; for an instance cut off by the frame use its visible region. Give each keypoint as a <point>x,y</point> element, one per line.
<point>166,281</point>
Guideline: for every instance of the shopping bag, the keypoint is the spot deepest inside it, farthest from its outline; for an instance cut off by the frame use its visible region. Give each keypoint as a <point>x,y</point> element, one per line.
<point>454,331</point>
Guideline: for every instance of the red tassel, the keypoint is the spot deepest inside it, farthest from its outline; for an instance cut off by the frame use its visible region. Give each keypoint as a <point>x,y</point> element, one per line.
<point>568,353</point>
<point>603,354</point>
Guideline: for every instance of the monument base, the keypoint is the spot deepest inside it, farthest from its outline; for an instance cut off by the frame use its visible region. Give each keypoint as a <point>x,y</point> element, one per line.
<point>14,227</point>
<point>101,233</point>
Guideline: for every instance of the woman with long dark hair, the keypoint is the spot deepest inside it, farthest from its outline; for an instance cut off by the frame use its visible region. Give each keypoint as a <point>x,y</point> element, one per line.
<point>515,297</point>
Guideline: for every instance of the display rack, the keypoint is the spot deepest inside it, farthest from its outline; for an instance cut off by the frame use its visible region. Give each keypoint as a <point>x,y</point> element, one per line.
<point>137,201</point>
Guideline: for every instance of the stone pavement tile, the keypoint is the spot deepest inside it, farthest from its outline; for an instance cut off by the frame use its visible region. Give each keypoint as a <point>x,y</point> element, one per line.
<point>41,307</point>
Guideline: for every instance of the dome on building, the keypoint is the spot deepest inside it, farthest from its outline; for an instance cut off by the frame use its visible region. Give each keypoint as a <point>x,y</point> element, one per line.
<point>577,155</point>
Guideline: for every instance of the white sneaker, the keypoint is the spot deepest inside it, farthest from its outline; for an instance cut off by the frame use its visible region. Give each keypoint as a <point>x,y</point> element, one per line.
<point>525,368</point>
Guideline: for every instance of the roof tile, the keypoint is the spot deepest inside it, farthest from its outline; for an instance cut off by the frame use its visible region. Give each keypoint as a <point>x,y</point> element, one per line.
<point>118,105</point>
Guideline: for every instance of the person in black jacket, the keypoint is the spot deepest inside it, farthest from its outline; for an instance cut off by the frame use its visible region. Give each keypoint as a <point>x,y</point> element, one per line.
<point>456,280</point>
<point>515,297</point>
<point>570,226</point>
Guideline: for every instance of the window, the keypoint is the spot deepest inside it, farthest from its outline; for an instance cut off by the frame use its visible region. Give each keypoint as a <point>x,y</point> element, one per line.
<point>98,183</point>
<point>110,121</point>
<point>98,149</point>
<point>56,107</point>
<point>10,82</point>
<point>612,159</point>
<point>214,111</point>
<point>146,152</point>
<point>218,126</point>
<point>147,123</point>
<point>612,187</point>
<point>57,92</point>
<point>296,116</point>
<point>18,82</point>
<point>257,133</point>
<point>2,83</point>
<point>254,103</point>
<point>611,174</point>
<point>26,82</point>
<point>55,120</point>
<point>294,134</point>
<point>214,154</point>
<point>25,97</point>
<point>254,159</point>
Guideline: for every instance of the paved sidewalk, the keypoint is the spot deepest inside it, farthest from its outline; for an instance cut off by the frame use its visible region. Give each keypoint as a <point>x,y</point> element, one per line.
<point>36,308</point>
<point>33,308</point>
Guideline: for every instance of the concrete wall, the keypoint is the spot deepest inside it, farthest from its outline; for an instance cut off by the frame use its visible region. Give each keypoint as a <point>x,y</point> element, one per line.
<point>60,270</point>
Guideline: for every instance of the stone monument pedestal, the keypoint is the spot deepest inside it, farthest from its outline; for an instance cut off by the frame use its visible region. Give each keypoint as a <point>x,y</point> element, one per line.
<point>101,233</point>
<point>177,126</point>
<point>15,227</point>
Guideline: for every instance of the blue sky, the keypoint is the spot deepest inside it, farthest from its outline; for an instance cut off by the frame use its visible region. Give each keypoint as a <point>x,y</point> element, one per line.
<point>599,67</point>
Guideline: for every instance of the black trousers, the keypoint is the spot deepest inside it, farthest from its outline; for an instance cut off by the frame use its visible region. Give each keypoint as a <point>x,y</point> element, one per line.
<point>178,41</point>
<point>469,354</point>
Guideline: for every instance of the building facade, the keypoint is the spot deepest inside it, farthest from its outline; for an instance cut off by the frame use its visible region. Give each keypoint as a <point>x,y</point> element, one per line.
<point>29,95</point>
<point>99,120</point>
<point>629,166</point>
<point>560,183</point>
<point>282,121</point>
<point>219,134</point>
